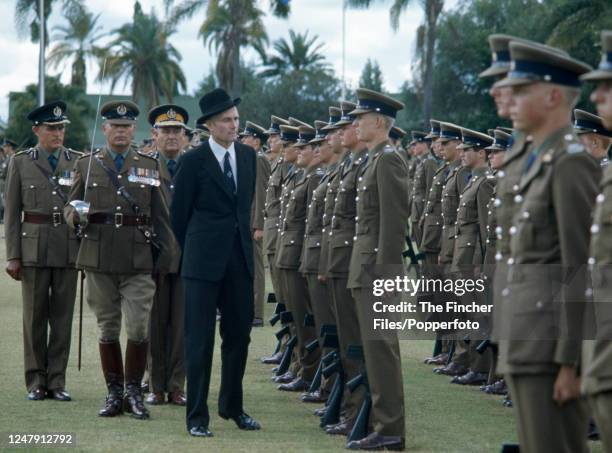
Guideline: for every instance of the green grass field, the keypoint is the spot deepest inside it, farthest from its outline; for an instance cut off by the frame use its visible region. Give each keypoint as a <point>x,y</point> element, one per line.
<point>440,417</point>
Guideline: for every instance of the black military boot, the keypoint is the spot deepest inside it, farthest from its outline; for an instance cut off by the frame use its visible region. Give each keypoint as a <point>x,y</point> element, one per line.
<point>135,364</point>
<point>112,366</point>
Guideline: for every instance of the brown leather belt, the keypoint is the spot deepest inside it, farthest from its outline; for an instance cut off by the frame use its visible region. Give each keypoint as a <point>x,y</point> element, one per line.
<point>54,219</point>
<point>119,219</point>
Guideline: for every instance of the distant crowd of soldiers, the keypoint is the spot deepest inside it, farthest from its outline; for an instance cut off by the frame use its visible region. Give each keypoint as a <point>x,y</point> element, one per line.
<point>517,207</point>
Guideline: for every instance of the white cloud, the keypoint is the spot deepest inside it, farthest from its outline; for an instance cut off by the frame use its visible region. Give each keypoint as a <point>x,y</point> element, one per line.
<point>368,35</point>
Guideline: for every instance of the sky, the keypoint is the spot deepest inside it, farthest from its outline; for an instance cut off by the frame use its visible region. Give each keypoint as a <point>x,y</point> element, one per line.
<point>368,35</point>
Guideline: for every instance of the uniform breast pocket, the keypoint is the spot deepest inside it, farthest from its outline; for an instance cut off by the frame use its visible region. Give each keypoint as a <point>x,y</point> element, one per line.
<point>31,194</point>
<point>141,193</point>
<point>99,193</point>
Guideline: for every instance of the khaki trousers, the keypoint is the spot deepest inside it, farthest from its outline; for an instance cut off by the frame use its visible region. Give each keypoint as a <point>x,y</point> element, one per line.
<point>48,296</point>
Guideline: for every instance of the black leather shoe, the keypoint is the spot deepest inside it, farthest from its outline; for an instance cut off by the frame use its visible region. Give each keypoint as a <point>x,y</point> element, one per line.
<point>320,411</point>
<point>133,402</point>
<point>59,395</point>
<point>244,421</point>
<point>314,397</point>
<point>470,378</point>
<point>274,359</point>
<point>37,394</point>
<point>297,385</point>
<point>113,405</point>
<point>257,322</point>
<point>285,378</point>
<point>200,431</point>
<point>377,442</point>
<point>452,369</point>
<point>343,428</point>
<point>497,388</point>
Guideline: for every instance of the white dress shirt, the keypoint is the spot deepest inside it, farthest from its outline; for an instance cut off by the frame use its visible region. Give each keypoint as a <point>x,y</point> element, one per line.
<point>219,152</point>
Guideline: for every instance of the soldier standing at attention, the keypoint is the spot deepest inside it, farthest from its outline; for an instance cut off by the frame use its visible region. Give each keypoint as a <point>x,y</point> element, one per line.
<point>597,353</point>
<point>423,176</point>
<point>549,240</point>
<point>41,250</point>
<point>593,135</point>
<point>470,245</point>
<point>382,213</point>
<point>293,227</point>
<point>278,171</point>
<point>127,212</point>
<point>166,339</point>
<point>255,136</point>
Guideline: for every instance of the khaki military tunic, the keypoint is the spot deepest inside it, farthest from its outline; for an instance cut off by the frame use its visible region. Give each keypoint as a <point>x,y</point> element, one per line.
<point>380,227</point>
<point>116,256</point>
<point>431,225</point>
<point>288,260</point>
<point>455,184</point>
<point>423,177</point>
<point>263,170</point>
<point>549,248</point>
<point>166,365</point>
<point>36,234</point>
<point>278,172</point>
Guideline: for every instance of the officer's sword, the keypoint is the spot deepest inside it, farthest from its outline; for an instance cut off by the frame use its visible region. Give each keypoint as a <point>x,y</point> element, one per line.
<point>82,209</point>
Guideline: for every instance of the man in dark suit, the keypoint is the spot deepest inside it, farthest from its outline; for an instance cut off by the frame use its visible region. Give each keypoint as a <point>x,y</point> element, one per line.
<point>211,209</point>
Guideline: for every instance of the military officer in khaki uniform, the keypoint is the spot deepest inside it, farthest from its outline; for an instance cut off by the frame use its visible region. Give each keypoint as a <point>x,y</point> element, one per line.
<point>126,214</point>
<point>166,366</point>
<point>470,245</point>
<point>549,243</point>
<point>41,250</point>
<point>255,136</point>
<point>290,244</point>
<point>341,237</point>
<point>423,176</point>
<point>594,136</point>
<point>382,213</point>
<point>279,168</point>
<point>597,353</point>
<point>311,254</point>
<point>456,181</point>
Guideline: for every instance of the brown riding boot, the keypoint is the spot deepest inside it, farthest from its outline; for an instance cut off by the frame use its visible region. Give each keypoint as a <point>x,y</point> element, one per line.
<point>112,366</point>
<point>135,364</point>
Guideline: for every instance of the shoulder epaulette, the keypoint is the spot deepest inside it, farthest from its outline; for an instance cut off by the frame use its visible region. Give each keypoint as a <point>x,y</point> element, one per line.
<point>388,149</point>
<point>23,152</point>
<point>86,155</point>
<point>140,153</point>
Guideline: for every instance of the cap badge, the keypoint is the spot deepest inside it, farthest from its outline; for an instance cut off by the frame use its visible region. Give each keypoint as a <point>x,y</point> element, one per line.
<point>122,109</point>
<point>171,114</point>
<point>57,111</point>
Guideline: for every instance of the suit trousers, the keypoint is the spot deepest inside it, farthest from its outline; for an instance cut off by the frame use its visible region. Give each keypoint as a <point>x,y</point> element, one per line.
<point>48,305</point>
<point>543,425</point>
<point>259,279</point>
<point>233,296</point>
<point>298,300</point>
<point>348,334</point>
<point>167,337</point>
<point>384,369</point>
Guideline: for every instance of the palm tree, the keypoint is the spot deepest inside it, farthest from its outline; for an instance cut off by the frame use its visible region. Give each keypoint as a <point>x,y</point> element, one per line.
<point>27,13</point>
<point>141,53</point>
<point>76,42</point>
<point>300,53</point>
<point>426,40</point>
<point>229,26</point>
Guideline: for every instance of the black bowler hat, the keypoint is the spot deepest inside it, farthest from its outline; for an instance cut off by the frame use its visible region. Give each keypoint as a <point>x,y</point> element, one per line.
<point>216,101</point>
<point>51,113</point>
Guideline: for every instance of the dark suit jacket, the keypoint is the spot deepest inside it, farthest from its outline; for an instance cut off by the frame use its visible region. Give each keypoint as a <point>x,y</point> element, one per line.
<point>205,214</point>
